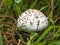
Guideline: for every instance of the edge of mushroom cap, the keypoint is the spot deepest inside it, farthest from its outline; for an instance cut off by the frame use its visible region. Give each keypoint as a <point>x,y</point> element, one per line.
<point>31,10</point>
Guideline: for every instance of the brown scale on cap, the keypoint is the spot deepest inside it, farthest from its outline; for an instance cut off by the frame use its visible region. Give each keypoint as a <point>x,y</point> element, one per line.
<point>36,17</point>
<point>31,23</point>
<point>29,12</point>
<point>33,19</point>
<point>25,12</point>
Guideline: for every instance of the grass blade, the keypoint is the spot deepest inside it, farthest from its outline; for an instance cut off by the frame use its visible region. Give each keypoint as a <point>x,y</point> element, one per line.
<point>43,8</point>
<point>1,40</point>
<point>32,5</point>
<point>31,38</point>
<point>44,34</point>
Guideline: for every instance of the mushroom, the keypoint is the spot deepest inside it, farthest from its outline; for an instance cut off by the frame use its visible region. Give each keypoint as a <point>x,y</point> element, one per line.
<point>33,20</point>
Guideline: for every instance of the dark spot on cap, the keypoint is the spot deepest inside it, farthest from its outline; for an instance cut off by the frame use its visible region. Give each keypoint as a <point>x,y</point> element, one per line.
<point>35,14</point>
<point>24,18</point>
<point>41,16</point>
<point>33,19</point>
<point>42,21</point>
<point>29,12</point>
<point>31,23</point>
<point>46,23</point>
<point>25,21</point>
<point>25,12</point>
<point>36,17</point>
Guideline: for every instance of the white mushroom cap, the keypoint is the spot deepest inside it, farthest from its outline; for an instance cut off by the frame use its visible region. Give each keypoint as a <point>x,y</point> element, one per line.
<point>33,20</point>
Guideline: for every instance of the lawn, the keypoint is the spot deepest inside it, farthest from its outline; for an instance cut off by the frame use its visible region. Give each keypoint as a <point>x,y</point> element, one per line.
<point>10,10</point>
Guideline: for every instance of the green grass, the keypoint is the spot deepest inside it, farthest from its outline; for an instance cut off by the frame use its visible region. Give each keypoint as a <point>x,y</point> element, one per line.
<point>10,10</point>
